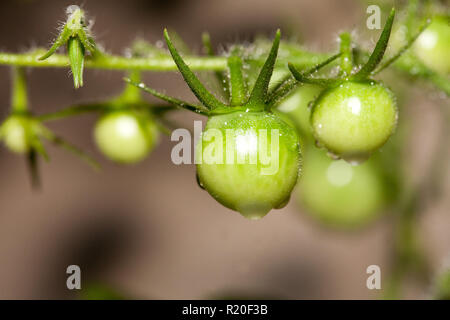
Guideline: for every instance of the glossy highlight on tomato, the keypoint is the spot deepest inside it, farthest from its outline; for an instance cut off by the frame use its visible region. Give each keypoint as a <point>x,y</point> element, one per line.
<point>247,187</point>
<point>354,119</point>
<point>126,136</point>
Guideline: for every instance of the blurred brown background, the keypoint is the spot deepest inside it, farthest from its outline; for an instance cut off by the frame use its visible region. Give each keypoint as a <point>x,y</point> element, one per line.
<point>148,230</point>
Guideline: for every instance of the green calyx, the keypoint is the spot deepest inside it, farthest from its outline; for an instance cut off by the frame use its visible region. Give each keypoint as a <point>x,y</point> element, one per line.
<point>347,70</point>
<point>259,99</point>
<point>76,36</point>
<point>239,98</point>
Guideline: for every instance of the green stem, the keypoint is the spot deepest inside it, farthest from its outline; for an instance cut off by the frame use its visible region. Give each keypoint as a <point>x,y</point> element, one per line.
<point>19,102</point>
<point>164,63</point>
<point>113,62</point>
<point>220,76</point>
<point>131,93</point>
<point>411,17</point>
<point>238,90</point>
<point>73,111</point>
<point>346,54</point>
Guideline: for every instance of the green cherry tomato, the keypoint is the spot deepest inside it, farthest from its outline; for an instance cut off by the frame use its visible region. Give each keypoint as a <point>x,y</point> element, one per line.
<point>339,194</point>
<point>125,136</point>
<point>354,119</point>
<point>15,135</point>
<point>433,45</point>
<point>250,161</point>
<point>297,107</point>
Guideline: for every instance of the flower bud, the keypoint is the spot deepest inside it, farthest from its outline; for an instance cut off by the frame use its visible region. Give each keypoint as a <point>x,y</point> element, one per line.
<point>75,51</point>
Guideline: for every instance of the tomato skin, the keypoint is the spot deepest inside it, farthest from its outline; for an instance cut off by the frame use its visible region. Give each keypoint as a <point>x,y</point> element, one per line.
<point>433,45</point>
<point>125,136</point>
<point>341,195</point>
<point>244,187</point>
<point>14,133</point>
<point>354,119</point>
<point>298,107</point>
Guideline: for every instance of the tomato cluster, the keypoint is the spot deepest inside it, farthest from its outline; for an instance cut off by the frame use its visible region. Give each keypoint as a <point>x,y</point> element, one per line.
<point>349,115</point>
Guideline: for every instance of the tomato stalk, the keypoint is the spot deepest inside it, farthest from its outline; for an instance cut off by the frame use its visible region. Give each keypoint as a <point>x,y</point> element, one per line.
<point>19,103</point>
<point>346,54</point>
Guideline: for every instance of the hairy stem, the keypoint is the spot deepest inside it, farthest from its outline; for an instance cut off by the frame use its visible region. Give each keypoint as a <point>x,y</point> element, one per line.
<point>160,63</point>
<point>19,93</point>
<point>346,53</point>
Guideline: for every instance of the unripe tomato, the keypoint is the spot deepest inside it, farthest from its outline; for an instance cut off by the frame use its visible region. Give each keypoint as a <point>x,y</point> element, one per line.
<point>433,45</point>
<point>251,187</point>
<point>339,194</point>
<point>14,133</point>
<point>354,119</point>
<point>126,136</point>
<point>298,107</point>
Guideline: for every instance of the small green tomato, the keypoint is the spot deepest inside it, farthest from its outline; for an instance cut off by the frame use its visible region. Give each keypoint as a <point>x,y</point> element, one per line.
<point>433,45</point>
<point>125,136</point>
<point>297,106</point>
<point>339,194</point>
<point>243,172</point>
<point>15,133</point>
<point>354,119</point>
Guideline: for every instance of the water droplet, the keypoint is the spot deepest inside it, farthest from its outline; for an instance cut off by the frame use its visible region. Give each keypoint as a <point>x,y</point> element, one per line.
<point>254,211</point>
<point>333,155</point>
<point>310,104</point>
<point>356,160</point>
